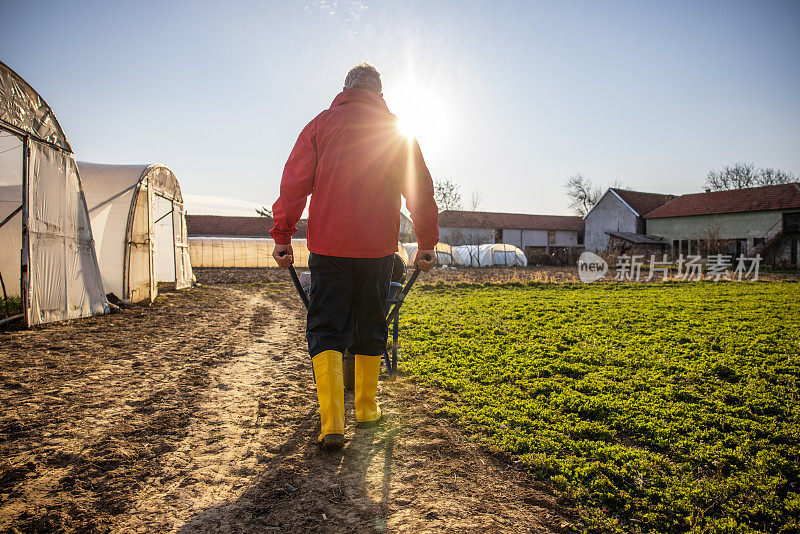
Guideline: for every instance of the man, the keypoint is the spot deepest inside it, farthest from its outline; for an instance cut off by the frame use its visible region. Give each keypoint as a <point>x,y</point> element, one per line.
<point>355,165</point>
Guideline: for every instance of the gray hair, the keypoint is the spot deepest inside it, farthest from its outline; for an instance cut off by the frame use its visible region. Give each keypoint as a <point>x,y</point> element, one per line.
<point>364,76</point>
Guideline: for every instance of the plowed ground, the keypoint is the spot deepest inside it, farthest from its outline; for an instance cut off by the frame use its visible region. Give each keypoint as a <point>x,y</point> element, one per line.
<point>198,414</point>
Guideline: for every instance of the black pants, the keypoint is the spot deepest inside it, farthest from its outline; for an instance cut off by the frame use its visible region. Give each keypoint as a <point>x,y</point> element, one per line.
<point>348,304</point>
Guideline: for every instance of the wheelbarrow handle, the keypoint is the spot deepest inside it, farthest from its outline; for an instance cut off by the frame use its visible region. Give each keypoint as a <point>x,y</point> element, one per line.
<point>299,288</point>
<point>402,296</point>
<point>297,285</point>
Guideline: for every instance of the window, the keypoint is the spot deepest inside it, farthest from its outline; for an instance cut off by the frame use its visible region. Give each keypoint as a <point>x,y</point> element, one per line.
<point>498,235</point>
<point>580,238</point>
<point>551,238</point>
<point>791,222</point>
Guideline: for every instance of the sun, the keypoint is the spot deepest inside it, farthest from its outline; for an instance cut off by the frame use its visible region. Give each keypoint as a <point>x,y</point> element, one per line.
<point>421,114</point>
<point>407,126</point>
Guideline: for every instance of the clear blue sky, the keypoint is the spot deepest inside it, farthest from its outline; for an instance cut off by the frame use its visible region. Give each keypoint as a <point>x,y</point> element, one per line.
<point>521,95</point>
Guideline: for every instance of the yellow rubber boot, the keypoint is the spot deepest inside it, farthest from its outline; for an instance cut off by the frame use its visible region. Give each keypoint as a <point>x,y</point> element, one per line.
<point>330,393</point>
<point>366,377</point>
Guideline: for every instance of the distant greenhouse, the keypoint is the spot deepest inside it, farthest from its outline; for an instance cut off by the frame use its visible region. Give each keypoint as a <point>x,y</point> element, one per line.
<point>138,220</point>
<point>211,251</point>
<point>445,254</point>
<point>207,251</point>
<point>489,255</point>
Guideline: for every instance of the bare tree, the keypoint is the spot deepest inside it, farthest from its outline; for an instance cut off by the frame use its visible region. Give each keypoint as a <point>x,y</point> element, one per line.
<point>263,211</point>
<point>582,194</point>
<point>741,175</point>
<point>769,176</point>
<point>619,184</point>
<point>447,194</point>
<point>476,201</point>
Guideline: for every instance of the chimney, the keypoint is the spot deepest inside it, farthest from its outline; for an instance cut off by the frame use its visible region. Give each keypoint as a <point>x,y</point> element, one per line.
<point>708,189</point>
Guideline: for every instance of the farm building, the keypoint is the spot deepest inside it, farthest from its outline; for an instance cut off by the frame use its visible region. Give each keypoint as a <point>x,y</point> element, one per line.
<point>758,220</point>
<point>407,234</point>
<point>137,217</point>
<point>619,216</point>
<point>535,235</point>
<point>47,254</point>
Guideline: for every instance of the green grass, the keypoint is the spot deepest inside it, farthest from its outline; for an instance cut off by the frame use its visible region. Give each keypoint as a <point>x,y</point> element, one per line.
<point>14,306</point>
<point>669,407</point>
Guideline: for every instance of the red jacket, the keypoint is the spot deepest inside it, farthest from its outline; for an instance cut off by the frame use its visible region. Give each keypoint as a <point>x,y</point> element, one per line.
<point>355,165</point>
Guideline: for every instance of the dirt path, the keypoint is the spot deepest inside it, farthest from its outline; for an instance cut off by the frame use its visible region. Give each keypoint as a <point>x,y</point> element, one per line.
<point>198,415</point>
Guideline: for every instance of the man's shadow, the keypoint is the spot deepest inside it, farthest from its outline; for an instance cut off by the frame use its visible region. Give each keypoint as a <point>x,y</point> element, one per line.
<point>304,489</point>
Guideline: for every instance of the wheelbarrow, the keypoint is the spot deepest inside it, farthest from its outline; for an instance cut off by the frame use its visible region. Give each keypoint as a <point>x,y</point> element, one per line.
<point>397,294</point>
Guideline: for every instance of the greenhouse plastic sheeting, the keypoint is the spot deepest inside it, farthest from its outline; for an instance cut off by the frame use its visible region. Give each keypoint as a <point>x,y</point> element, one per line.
<point>64,281</point>
<point>47,254</point>
<point>401,251</point>
<point>241,252</point>
<point>491,255</point>
<point>10,202</point>
<point>445,254</point>
<point>140,228</point>
<point>247,252</point>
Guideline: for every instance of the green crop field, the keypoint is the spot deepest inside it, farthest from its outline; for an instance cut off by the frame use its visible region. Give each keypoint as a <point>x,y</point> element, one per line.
<point>669,407</point>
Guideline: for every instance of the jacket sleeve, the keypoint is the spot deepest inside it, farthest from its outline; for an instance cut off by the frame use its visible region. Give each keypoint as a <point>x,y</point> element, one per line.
<point>297,183</point>
<point>418,192</point>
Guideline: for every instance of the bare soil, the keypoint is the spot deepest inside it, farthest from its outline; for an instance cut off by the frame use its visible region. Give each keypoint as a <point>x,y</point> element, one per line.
<point>198,414</point>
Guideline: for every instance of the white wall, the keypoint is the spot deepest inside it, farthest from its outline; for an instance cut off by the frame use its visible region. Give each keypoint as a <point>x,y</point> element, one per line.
<point>465,236</point>
<point>534,238</point>
<point>610,214</point>
<point>566,238</point>
<point>512,236</point>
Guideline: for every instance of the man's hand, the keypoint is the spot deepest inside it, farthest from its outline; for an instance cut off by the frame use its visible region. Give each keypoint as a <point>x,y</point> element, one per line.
<point>424,260</point>
<point>283,255</point>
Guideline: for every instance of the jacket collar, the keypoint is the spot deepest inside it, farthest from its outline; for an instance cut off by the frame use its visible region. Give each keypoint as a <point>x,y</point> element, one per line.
<point>356,94</point>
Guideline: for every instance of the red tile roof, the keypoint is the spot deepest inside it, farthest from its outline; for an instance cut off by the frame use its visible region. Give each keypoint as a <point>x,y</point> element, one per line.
<point>482,219</point>
<point>641,202</point>
<point>766,198</point>
<point>222,225</point>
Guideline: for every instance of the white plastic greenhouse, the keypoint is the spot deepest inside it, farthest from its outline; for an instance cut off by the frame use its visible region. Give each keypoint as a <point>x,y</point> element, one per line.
<point>445,254</point>
<point>493,254</point>
<point>248,252</point>
<point>139,227</point>
<point>241,252</point>
<point>47,254</point>
<point>401,251</point>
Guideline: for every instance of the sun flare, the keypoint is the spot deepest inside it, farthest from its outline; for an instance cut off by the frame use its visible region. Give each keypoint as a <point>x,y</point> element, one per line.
<point>407,126</point>
<point>421,114</point>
